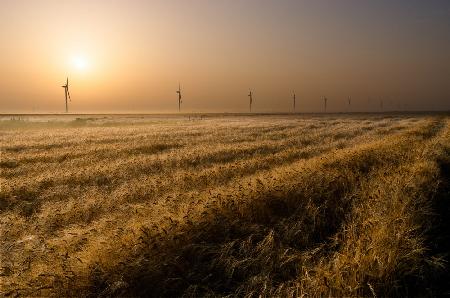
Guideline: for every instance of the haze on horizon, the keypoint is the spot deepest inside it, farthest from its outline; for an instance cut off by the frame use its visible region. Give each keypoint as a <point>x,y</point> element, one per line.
<point>128,56</point>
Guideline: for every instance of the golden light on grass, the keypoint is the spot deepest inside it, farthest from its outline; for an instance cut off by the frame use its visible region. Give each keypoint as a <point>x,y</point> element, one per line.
<point>275,206</point>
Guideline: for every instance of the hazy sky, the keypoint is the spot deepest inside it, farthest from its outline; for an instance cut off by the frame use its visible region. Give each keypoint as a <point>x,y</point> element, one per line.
<point>128,56</point>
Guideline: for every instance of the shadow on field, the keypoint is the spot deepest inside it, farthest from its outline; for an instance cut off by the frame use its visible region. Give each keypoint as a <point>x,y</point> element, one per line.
<point>434,281</point>
<point>218,255</point>
<point>439,237</point>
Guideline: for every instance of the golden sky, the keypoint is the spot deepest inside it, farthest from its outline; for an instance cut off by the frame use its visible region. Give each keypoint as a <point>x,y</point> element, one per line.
<point>128,56</point>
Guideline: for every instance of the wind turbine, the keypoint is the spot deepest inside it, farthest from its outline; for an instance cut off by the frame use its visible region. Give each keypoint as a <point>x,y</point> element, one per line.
<point>325,99</point>
<point>250,95</point>
<point>66,92</point>
<point>349,99</point>
<point>179,97</point>
<point>293,97</point>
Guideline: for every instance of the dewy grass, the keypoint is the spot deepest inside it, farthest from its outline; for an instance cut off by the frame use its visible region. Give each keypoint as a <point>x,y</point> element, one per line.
<point>264,206</point>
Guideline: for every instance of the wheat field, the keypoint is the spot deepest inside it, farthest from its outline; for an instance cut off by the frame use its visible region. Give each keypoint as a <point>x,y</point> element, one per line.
<point>225,205</point>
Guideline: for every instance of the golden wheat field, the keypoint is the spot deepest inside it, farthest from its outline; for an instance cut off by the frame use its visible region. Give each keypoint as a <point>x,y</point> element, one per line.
<point>225,205</point>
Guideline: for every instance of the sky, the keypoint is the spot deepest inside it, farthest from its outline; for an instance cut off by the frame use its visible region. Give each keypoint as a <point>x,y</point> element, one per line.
<point>128,56</point>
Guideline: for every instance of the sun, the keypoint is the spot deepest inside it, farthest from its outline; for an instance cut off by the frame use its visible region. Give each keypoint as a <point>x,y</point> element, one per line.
<point>80,62</point>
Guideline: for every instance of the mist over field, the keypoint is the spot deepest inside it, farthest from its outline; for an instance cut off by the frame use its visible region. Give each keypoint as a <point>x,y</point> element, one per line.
<point>224,205</point>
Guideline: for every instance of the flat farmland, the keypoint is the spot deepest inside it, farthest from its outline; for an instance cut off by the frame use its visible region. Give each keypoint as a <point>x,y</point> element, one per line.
<point>224,205</point>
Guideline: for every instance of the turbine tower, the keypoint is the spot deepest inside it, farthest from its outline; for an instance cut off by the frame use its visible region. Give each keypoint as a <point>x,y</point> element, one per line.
<point>325,99</point>
<point>293,98</point>
<point>179,97</point>
<point>349,99</point>
<point>66,92</point>
<point>250,95</point>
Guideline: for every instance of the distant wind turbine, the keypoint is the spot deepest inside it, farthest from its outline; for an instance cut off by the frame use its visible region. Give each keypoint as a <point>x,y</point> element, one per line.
<point>250,95</point>
<point>349,100</point>
<point>293,97</point>
<point>179,97</point>
<point>325,99</point>
<point>66,92</point>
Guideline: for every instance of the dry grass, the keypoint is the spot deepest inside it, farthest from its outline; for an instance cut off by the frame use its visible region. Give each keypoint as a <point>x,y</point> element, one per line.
<point>244,206</point>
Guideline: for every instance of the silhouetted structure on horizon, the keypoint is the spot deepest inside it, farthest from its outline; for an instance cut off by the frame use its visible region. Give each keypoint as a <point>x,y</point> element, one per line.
<point>66,93</point>
<point>179,97</point>
<point>293,98</point>
<point>250,95</point>
<point>325,99</point>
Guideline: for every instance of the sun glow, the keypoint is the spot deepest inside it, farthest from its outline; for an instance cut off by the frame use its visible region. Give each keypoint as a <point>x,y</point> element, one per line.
<point>80,63</point>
